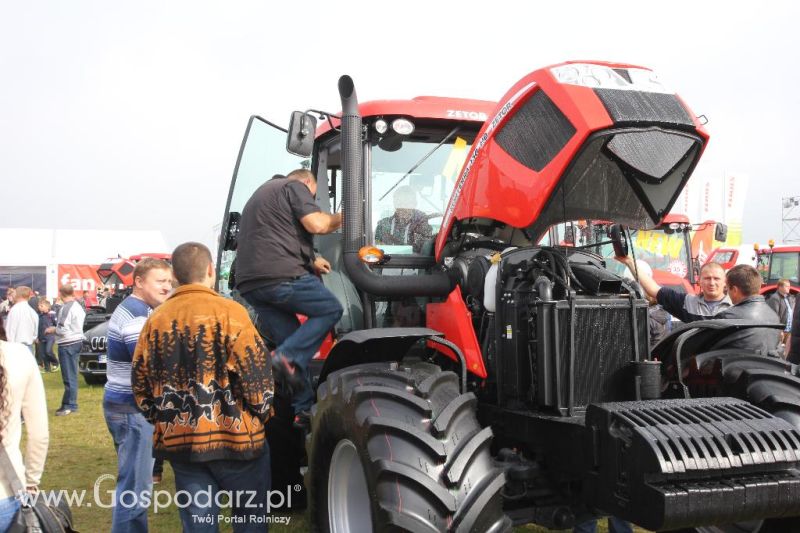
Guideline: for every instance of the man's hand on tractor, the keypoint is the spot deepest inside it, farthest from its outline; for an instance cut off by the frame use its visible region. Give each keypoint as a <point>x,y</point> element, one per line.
<point>321,265</point>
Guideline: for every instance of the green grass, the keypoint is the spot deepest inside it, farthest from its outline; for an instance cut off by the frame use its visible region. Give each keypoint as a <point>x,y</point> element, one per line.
<point>81,450</point>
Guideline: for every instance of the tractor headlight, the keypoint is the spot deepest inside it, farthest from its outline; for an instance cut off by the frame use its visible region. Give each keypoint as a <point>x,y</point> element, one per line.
<point>402,126</point>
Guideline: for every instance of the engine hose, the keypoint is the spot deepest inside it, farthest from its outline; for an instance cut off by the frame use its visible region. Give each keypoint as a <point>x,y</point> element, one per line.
<point>562,276</point>
<point>556,276</point>
<point>567,269</point>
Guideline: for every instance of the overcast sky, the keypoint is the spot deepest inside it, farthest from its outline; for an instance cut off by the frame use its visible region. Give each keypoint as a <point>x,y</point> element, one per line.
<point>129,115</point>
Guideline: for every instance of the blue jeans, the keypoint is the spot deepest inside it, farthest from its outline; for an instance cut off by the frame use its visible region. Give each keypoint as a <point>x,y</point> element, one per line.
<point>277,305</point>
<point>615,525</point>
<point>45,355</point>
<point>133,440</point>
<point>198,484</point>
<point>8,510</point>
<point>68,357</point>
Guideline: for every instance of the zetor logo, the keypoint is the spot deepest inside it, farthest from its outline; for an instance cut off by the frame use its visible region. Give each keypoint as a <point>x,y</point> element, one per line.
<point>472,115</point>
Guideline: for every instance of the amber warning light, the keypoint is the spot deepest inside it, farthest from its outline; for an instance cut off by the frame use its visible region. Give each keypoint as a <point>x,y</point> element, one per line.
<point>371,255</point>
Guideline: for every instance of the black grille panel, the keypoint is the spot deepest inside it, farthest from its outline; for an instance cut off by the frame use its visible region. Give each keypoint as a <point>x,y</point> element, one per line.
<point>638,107</point>
<point>604,345</point>
<point>536,133</point>
<point>601,353</point>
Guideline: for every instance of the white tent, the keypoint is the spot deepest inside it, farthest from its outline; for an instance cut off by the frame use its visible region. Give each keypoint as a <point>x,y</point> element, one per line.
<point>49,248</point>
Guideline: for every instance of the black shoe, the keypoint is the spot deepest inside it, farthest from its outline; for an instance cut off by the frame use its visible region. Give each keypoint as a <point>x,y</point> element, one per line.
<point>64,412</point>
<point>302,421</point>
<point>287,372</point>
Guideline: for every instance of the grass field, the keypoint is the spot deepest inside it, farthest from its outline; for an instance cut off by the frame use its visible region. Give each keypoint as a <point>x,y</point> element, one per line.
<point>81,451</point>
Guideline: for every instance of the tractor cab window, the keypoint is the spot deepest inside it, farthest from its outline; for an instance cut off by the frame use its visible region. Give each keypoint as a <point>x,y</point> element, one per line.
<point>412,180</point>
<point>723,257</point>
<point>784,265</point>
<point>762,265</point>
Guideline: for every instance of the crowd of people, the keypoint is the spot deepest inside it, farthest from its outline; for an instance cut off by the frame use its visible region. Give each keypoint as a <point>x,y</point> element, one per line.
<point>190,378</point>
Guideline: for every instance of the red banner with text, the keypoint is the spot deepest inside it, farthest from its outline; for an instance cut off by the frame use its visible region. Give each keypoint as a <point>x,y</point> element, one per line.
<point>81,277</point>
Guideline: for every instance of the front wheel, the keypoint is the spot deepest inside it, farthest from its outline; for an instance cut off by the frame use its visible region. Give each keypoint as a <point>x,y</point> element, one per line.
<point>400,449</point>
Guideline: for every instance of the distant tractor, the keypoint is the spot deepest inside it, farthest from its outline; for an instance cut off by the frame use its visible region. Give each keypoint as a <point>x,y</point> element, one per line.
<point>671,249</point>
<point>775,263</point>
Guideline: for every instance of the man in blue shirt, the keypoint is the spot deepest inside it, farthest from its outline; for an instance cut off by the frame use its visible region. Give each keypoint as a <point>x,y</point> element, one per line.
<point>132,433</point>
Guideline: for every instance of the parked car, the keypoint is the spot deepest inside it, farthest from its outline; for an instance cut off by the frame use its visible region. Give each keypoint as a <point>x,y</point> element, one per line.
<point>93,356</point>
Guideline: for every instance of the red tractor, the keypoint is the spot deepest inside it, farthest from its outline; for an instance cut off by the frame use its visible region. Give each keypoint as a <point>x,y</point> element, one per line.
<point>485,373</point>
<point>776,263</point>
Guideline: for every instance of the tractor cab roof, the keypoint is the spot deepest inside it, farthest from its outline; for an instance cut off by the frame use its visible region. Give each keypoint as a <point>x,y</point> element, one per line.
<point>423,107</point>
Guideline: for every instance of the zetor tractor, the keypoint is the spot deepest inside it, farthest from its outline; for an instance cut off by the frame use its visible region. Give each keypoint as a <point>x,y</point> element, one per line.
<point>485,374</point>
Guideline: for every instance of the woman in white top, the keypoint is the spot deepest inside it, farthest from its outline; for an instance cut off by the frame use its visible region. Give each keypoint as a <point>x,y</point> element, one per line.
<point>21,395</point>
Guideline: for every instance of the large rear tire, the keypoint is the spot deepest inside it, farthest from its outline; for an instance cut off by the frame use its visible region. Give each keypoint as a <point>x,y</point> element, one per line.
<point>400,449</point>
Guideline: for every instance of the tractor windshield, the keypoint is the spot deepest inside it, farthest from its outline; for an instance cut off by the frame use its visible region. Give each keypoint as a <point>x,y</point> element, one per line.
<point>411,185</point>
<point>783,265</point>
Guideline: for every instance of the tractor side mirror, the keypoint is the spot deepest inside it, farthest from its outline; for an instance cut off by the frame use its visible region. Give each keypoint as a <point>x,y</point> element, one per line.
<point>618,240</point>
<point>300,139</point>
<point>721,232</point>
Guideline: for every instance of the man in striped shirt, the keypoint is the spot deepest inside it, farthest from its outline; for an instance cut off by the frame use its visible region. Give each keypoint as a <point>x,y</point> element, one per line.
<point>132,433</point>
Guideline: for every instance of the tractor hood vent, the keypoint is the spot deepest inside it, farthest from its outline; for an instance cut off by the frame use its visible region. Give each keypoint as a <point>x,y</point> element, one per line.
<point>629,176</point>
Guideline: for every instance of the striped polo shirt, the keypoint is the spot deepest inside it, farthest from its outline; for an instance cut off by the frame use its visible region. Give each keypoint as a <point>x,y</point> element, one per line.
<point>123,333</point>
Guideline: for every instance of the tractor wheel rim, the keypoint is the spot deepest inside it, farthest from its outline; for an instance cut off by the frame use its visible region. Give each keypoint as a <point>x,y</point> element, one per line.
<point>348,495</point>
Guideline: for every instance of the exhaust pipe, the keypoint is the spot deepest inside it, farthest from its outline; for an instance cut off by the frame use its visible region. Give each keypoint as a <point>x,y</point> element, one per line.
<point>434,284</point>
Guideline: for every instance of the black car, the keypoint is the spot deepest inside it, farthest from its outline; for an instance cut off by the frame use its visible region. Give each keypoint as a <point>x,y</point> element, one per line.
<point>93,356</point>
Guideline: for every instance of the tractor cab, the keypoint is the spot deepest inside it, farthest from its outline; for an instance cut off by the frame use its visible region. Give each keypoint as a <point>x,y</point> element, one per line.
<point>413,151</point>
<point>776,263</point>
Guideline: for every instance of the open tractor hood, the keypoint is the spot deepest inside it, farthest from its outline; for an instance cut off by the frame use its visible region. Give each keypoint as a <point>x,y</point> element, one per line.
<point>579,140</point>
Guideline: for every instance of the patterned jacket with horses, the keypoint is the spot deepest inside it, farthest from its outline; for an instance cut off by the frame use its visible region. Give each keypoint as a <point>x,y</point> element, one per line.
<point>202,376</point>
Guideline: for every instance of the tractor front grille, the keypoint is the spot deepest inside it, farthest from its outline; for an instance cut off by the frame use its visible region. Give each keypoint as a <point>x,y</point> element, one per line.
<point>584,354</point>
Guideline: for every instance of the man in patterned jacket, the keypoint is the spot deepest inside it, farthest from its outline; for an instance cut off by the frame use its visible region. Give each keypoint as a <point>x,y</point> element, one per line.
<point>132,433</point>
<point>203,377</point>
